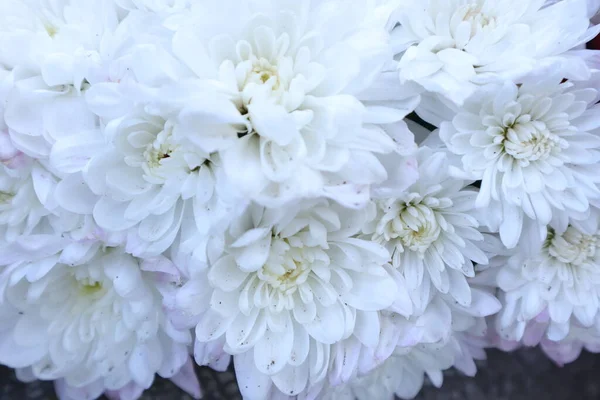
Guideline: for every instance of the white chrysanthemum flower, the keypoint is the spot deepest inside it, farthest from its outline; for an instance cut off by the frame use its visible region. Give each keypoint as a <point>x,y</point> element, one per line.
<point>290,283</point>
<point>336,365</point>
<point>122,163</point>
<point>563,351</point>
<point>48,44</point>
<point>446,335</point>
<point>9,154</point>
<point>83,312</point>
<point>561,275</point>
<point>444,318</point>
<point>468,349</point>
<point>185,379</point>
<point>37,33</point>
<point>145,178</point>
<point>22,191</point>
<point>402,375</point>
<point>29,204</point>
<point>294,116</point>
<point>568,349</point>
<point>430,231</point>
<point>32,201</point>
<point>535,148</point>
<point>452,46</point>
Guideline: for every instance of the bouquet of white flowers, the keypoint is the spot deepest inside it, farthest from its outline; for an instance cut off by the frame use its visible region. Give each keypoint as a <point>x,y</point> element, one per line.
<point>339,197</point>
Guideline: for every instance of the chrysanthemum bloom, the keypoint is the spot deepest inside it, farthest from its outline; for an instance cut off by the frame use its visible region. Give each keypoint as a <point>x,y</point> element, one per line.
<point>446,335</point>
<point>402,375</point>
<point>568,349</point>
<point>368,348</point>
<point>23,182</point>
<point>563,351</point>
<point>35,34</point>
<point>444,320</point>
<point>560,276</point>
<point>451,47</point>
<point>48,45</point>
<point>87,313</point>
<point>34,199</point>
<point>185,379</point>
<point>430,231</point>
<point>145,179</point>
<point>9,154</point>
<point>299,118</point>
<point>25,199</point>
<point>535,148</point>
<point>126,168</point>
<point>290,283</point>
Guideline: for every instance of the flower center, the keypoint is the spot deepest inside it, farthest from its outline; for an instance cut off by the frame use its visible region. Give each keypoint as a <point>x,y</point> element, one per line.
<point>473,14</point>
<point>158,155</point>
<point>6,197</point>
<point>530,141</point>
<point>157,152</point>
<point>88,287</point>
<point>262,80</point>
<point>91,289</point>
<point>412,225</point>
<point>286,268</point>
<point>264,73</point>
<point>51,29</point>
<point>572,247</point>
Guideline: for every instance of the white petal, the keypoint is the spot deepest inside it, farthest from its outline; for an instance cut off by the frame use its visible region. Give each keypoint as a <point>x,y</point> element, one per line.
<point>304,313</point>
<point>254,256</point>
<point>483,303</point>
<point>30,331</point>
<point>251,236</point>
<point>273,123</point>
<point>246,331</point>
<point>153,227</point>
<point>106,100</point>
<point>367,328</point>
<point>139,366</point>
<point>253,384</point>
<point>109,214</point>
<point>459,288</point>
<point>301,346</point>
<point>72,154</point>
<point>511,226</point>
<point>211,326</point>
<point>15,356</point>
<point>226,275</point>
<point>328,327</point>
<point>187,380</point>
<point>292,380</point>
<point>73,194</point>
<point>273,351</point>
<point>560,311</point>
<point>372,292</point>
<point>57,69</point>
<point>199,62</point>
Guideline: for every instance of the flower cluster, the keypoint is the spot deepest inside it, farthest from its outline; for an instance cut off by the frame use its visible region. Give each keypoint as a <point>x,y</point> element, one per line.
<point>340,201</point>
